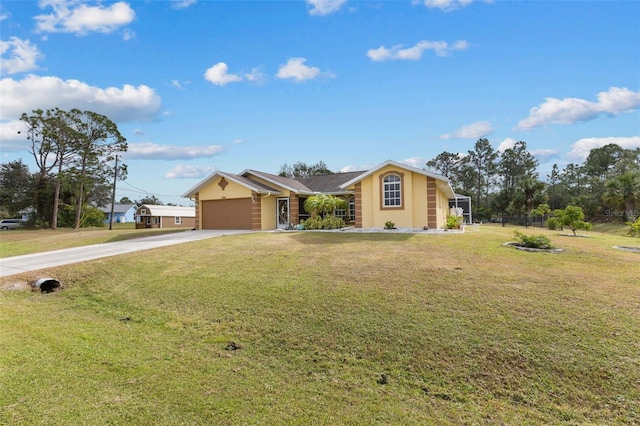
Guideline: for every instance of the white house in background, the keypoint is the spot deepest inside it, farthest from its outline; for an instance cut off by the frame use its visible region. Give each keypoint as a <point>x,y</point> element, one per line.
<point>25,214</point>
<point>122,213</point>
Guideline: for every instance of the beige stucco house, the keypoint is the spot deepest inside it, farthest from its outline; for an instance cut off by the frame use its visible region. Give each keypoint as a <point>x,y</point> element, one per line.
<point>255,200</point>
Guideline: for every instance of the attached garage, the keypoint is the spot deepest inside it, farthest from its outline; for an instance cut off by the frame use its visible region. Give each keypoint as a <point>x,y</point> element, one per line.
<point>226,214</point>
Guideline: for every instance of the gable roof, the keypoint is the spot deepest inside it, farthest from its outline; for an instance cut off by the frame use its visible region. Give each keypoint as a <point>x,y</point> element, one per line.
<point>240,180</point>
<point>281,181</point>
<point>441,182</point>
<point>329,184</point>
<point>156,210</point>
<point>336,183</point>
<point>118,208</point>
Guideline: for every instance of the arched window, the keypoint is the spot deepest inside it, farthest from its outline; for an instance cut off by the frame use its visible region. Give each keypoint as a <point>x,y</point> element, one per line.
<point>392,191</point>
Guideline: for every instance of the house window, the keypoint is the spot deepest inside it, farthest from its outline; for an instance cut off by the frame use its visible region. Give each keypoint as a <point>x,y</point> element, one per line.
<point>392,191</point>
<point>352,209</point>
<point>178,220</point>
<point>341,213</point>
<point>143,211</point>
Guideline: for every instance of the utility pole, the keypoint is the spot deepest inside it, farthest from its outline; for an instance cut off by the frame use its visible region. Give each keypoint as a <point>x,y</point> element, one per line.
<point>113,195</point>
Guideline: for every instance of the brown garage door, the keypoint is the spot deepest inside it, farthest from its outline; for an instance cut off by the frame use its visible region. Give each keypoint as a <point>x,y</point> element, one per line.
<point>226,214</point>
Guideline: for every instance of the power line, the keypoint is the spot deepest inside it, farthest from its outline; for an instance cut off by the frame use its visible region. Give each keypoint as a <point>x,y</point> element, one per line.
<point>144,192</point>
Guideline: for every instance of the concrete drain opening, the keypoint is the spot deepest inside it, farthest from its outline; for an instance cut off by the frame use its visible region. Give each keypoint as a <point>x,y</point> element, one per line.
<point>47,285</point>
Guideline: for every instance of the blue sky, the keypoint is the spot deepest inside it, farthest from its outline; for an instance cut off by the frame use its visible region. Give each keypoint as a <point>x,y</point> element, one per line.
<point>199,86</point>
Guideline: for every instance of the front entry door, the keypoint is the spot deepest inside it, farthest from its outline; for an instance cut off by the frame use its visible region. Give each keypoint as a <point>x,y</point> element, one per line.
<point>283,213</point>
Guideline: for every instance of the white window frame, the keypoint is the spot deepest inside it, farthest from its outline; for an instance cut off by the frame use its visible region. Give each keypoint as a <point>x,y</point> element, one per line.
<point>177,220</point>
<point>392,191</point>
<point>341,213</point>
<point>352,209</point>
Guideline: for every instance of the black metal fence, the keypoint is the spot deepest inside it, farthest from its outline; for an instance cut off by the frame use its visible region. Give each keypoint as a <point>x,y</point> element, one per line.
<point>525,220</point>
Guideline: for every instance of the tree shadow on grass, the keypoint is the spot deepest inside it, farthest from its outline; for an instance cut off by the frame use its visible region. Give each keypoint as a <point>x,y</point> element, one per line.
<point>337,237</point>
<point>143,234</point>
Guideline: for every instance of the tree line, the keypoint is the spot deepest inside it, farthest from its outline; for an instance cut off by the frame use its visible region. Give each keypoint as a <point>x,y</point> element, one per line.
<point>606,185</point>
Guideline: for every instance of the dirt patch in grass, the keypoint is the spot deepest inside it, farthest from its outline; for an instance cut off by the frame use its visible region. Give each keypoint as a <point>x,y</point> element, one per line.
<point>520,246</point>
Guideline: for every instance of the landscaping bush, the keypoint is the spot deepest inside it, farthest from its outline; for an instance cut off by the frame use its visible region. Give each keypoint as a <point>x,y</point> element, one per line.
<point>327,222</point>
<point>554,223</point>
<point>453,222</point>
<point>634,228</point>
<point>533,241</point>
<point>389,225</point>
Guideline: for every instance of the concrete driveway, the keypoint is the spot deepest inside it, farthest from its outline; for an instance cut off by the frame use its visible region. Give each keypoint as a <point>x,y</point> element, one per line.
<point>33,262</point>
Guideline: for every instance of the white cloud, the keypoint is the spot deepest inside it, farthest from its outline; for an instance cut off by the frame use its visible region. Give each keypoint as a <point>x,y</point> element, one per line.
<point>239,141</point>
<point>475,130</point>
<point>355,168</point>
<point>324,7</point>
<point>441,48</point>
<point>74,16</point>
<point>297,70</point>
<point>219,76</point>
<point>506,144</point>
<point>182,4</point>
<point>153,151</point>
<point>255,75</point>
<point>544,154</point>
<point>128,103</point>
<point>447,5</point>
<point>180,84</point>
<point>18,56</point>
<point>417,162</point>
<point>189,171</point>
<point>12,141</point>
<point>580,150</point>
<point>128,35</point>
<point>615,101</point>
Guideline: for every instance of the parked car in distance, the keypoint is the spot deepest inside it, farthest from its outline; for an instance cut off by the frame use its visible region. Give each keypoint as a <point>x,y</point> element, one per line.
<point>11,224</point>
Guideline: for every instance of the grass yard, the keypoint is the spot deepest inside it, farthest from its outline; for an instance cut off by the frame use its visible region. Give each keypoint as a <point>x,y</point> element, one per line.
<point>331,328</point>
<point>25,241</point>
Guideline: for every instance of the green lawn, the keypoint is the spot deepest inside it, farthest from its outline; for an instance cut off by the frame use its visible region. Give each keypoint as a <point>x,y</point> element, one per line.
<point>25,241</point>
<point>331,328</point>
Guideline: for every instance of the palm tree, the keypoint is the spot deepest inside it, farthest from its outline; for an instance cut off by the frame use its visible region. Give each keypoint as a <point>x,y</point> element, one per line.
<point>323,204</point>
<point>624,191</point>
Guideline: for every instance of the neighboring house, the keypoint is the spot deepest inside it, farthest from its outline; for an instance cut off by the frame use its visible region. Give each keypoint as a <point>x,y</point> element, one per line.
<point>462,202</point>
<point>255,200</point>
<point>122,213</point>
<point>26,213</point>
<point>152,216</point>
